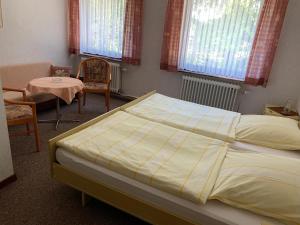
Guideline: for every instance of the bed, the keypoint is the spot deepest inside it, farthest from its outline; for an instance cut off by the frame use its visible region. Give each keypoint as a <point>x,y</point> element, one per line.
<point>148,202</point>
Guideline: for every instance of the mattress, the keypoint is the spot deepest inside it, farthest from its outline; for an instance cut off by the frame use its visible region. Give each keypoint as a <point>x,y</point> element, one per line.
<point>213,212</point>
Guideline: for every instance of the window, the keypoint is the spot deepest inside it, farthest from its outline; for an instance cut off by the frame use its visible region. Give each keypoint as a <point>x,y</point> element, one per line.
<point>102,27</point>
<point>217,36</point>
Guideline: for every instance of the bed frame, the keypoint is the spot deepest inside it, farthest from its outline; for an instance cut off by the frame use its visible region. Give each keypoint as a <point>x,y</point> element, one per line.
<point>103,192</point>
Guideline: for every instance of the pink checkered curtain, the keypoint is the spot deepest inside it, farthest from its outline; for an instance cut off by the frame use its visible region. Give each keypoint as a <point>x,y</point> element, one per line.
<point>132,42</point>
<point>265,42</point>
<point>74,27</point>
<point>171,38</point>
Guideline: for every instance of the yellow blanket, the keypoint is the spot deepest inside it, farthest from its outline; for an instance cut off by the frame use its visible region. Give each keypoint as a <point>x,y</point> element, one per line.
<point>204,120</point>
<point>265,184</point>
<point>170,159</point>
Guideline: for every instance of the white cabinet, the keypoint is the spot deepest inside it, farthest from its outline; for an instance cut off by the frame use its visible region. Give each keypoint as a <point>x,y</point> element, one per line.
<point>6,166</point>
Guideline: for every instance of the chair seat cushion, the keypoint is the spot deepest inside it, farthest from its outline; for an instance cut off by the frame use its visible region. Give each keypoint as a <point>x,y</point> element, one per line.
<point>18,112</point>
<point>37,98</point>
<point>95,86</point>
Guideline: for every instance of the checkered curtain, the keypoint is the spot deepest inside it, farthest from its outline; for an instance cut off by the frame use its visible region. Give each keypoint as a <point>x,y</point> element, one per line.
<point>265,42</point>
<point>133,32</point>
<point>132,40</point>
<point>74,27</point>
<point>171,38</point>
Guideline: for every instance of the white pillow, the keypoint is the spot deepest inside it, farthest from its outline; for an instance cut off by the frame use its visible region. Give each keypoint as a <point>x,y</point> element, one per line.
<point>270,131</point>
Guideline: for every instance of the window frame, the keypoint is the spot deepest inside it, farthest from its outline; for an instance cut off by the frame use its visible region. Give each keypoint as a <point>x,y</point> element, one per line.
<point>202,74</point>
<point>85,54</point>
<point>89,54</point>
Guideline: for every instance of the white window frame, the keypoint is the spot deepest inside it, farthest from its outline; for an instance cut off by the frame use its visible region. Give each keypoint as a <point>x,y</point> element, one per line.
<point>183,39</point>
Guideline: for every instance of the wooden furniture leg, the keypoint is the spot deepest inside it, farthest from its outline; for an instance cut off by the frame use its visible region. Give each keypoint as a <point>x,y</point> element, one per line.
<point>85,199</point>
<point>36,130</point>
<point>84,98</point>
<point>27,129</point>
<point>79,102</point>
<point>107,101</point>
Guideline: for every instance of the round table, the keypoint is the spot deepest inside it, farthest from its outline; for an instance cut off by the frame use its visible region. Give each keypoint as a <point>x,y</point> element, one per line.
<point>62,87</point>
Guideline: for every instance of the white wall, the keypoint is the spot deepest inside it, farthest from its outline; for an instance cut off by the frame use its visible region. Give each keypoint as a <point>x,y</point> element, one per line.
<point>6,167</point>
<point>284,81</point>
<point>34,31</point>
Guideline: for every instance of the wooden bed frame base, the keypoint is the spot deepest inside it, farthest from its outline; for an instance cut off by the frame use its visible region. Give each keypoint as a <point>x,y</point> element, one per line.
<point>102,192</point>
<point>115,198</point>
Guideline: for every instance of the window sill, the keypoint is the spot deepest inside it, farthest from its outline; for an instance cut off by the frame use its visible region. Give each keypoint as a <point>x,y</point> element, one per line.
<point>117,60</point>
<point>212,77</point>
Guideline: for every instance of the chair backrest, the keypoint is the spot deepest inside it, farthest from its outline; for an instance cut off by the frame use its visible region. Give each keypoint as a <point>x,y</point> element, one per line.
<point>95,70</point>
<point>61,71</point>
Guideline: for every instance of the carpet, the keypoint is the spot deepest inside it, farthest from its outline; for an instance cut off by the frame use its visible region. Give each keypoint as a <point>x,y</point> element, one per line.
<point>35,198</point>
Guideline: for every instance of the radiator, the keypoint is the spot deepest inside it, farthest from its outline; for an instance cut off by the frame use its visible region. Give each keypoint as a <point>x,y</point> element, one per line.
<point>209,92</point>
<point>116,79</point>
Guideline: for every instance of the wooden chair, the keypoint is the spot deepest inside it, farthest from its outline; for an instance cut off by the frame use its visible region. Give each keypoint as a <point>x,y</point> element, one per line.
<point>22,113</point>
<point>96,73</point>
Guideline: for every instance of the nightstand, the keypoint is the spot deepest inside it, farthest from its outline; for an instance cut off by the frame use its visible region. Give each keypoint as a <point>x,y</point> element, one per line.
<point>278,111</point>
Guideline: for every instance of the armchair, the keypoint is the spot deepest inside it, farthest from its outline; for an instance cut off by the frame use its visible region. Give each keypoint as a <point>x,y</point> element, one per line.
<point>96,73</point>
<point>22,113</point>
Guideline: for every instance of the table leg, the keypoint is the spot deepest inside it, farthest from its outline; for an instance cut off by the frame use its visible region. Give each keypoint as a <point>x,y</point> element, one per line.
<point>58,117</point>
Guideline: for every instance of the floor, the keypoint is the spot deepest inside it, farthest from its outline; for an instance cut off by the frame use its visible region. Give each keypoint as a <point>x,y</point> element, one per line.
<point>35,198</point>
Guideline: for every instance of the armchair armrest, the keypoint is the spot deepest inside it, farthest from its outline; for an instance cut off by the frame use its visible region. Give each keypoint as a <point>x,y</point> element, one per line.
<point>16,90</point>
<point>31,104</point>
<point>78,75</point>
<point>79,70</point>
<point>19,103</point>
<point>12,89</point>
